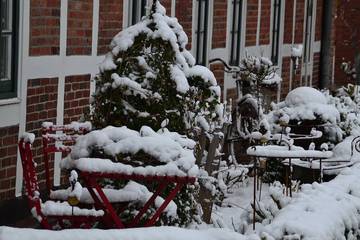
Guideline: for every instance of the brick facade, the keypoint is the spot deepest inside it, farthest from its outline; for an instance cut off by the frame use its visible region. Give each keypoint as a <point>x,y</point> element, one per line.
<point>110,23</point>
<point>76,99</point>
<point>8,158</point>
<point>44,27</point>
<point>285,84</point>
<point>299,22</point>
<point>319,16</point>
<point>79,27</point>
<point>40,107</point>
<point>219,26</point>
<point>346,24</point>
<point>288,23</point>
<point>265,21</point>
<point>167,5</point>
<point>183,13</point>
<point>251,22</point>
<point>316,70</point>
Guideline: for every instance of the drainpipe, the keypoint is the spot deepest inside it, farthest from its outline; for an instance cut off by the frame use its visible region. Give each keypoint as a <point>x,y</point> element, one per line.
<point>325,58</point>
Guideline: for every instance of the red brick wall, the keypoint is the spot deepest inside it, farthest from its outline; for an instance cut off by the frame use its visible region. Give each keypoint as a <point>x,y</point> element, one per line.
<point>44,27</point>
<point>167,5</point>
<point>218,70</point>
<point>319,11</point>
<point>264,37</point>
<point>110,23</point>
<point>316,70</point>
<point>40,107</point>
<point>288,25</point>
<point>299,22</point>
<point>231,94</point>
<point>286,65</point>
<point>219,24</point>
<point>184,15</point>
<point>251,22</point>
<point>76,99</point>
<point>345,52</point>
<point>79,23</point>
<point>8,151</point>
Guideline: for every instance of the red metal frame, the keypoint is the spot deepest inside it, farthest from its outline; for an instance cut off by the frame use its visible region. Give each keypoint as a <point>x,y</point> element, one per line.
<point>91,178</point>
<point>33,195</point>
<point>69,138</point>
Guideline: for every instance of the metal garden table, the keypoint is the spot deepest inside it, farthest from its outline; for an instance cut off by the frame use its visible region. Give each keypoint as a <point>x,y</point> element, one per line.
<point>282,153</point>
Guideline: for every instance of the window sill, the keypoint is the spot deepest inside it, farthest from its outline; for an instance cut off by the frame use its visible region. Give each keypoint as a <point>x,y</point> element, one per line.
<point>9,101</point>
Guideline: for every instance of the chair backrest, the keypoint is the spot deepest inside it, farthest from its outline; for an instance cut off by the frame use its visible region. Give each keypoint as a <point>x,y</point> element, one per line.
<point>53,141</point>
<point>29,172</point>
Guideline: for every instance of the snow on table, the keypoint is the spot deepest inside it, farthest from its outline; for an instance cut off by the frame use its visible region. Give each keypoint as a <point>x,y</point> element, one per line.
<point>173,151</point>
<point>151,233</point>
<point>284,152</point>
<point>322,211</point>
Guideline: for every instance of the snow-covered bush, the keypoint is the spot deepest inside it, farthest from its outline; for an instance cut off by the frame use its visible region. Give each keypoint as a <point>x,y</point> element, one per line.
<point>347,102</point>
<point>149,76</point>
<point>306,105</point>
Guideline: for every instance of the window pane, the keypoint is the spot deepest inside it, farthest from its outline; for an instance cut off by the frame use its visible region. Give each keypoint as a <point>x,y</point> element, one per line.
<point>5,15</point>
<point>5,58</point>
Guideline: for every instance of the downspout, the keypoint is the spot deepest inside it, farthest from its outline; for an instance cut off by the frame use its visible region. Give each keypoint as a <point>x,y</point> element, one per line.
<point>325,57</point>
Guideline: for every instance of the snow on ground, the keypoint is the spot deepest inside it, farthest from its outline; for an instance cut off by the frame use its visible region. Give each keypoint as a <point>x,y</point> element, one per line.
<point>237,204</point>
<point>152,233</point>
<point>322,211</point>
<point>317,211</point>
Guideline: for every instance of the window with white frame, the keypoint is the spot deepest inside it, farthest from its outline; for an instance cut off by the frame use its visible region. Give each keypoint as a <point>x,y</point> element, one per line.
<point>202,31</point>
<point>8,48</point>
<point>137,9</point>
<point>308,30</point>
<point>276,31</point>
<point>235,32</point>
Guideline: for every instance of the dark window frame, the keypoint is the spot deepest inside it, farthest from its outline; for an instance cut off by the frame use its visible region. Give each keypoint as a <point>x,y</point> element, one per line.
<point>235,32</point>
<point>202,31</point>
<point>276,31</point>
<point>12,84</point>
<point>135,11</point>
<point>308,32</point>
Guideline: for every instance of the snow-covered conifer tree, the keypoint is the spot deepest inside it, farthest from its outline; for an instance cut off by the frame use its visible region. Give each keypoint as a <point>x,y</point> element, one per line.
<point>149,76</point>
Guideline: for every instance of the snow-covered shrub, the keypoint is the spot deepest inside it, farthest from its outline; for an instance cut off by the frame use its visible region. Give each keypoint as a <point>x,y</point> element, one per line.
<point>149,76</point>
<point>266,210</point>
<point>347,102</point>
<point>303,106</point>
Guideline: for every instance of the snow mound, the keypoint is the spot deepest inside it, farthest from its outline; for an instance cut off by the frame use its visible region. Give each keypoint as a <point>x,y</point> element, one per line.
<point>304,95</point>
<point>150,233</point>
<point>322,211</point>
<point>173,151</point>
<point>306,103</point>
